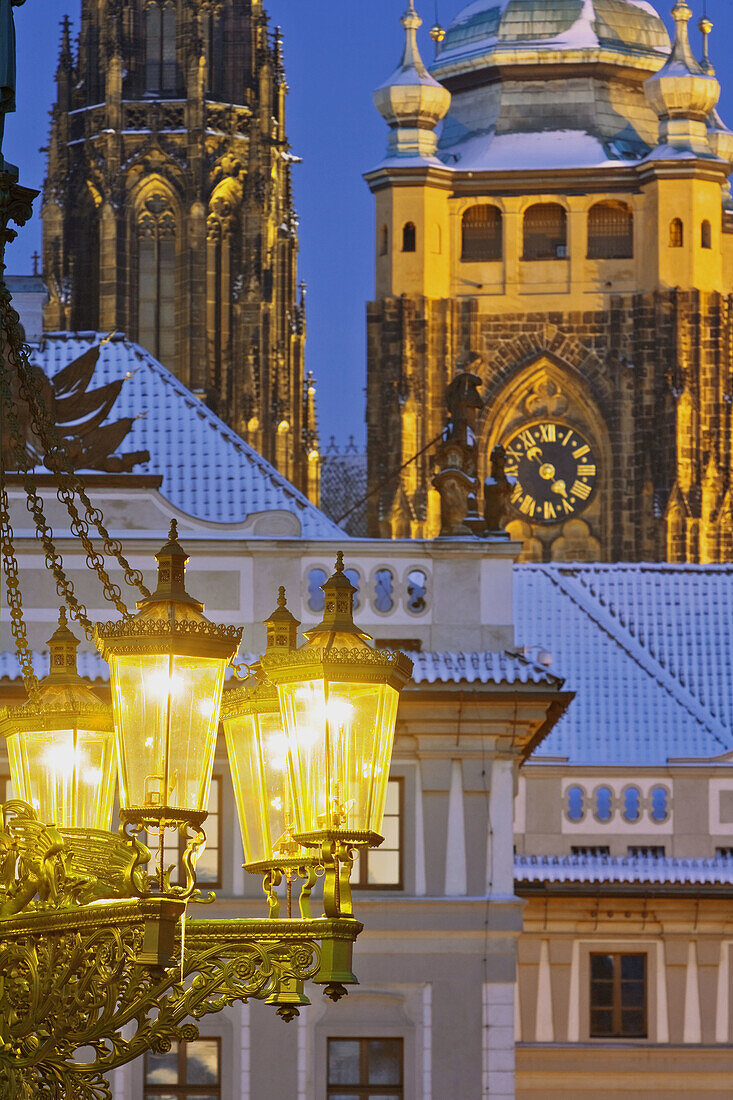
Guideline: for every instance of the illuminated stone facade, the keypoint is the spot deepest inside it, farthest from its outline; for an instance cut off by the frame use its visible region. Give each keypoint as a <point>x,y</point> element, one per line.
<point>570,240</point>
<point>168,212</point>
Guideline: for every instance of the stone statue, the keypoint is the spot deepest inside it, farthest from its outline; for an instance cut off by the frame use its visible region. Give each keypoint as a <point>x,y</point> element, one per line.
<point>7,70</point>
<point>457,458</point>
<point>497,490</point>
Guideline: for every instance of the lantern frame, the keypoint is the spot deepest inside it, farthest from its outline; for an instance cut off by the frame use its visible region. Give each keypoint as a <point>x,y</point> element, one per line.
<point>63,703</point>
<point>170,624</point>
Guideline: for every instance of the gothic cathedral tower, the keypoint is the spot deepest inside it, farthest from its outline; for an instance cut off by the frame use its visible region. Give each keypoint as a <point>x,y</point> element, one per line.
<point>569,238</point>
<point>168,211</point>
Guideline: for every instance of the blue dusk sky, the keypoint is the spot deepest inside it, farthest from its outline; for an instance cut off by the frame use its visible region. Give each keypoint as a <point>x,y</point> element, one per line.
<point>335,54</point>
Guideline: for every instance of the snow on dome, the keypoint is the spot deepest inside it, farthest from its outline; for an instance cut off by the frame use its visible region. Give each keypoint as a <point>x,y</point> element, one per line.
<point>487,29</point>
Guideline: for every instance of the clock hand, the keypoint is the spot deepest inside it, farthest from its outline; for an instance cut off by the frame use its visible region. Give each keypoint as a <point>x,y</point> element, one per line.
<point>559,487</point>
<point>534,452</point>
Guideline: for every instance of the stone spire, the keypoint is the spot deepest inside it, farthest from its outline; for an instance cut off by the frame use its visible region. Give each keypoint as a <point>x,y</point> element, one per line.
<point>412,102</point>
<point>682,93</point>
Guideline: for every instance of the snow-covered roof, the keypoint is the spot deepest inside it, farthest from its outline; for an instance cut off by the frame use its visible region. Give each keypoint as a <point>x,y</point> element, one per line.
<point>208,471</point>
<point>488,27</point>
<point>629,869</point>
<point>429,668</point>
<point>479,668</point>
<point>647,648</point>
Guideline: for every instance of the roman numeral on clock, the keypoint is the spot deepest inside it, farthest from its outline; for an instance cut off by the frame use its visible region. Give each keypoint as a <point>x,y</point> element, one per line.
<point>580,489</point>
<point>547,433</point>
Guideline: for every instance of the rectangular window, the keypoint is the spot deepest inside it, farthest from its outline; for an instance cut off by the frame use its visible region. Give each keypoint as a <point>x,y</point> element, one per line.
<point>724,853</point>
<point>618,997</point>
<point>366,1068</point>
<point>189,1071</point>
<point>381,868</point>
<point>647,851</point>
<point>596,851</point>
<point>208,868</point>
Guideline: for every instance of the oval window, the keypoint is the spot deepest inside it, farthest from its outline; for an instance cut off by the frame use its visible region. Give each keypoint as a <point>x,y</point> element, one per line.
<point>632,804</point>
<point>659,804</point>
<point>316,597</point>
<point>604,804</point>
<point>417,589</point>
<point>384,590</point>
<point>575,803</point>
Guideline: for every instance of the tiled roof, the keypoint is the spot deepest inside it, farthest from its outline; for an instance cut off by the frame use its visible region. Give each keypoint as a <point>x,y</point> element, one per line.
<point>455,668</point>
<point>479,668</point>
<point>208,471</point>
<point>622,869</point>
<point>647,648</point>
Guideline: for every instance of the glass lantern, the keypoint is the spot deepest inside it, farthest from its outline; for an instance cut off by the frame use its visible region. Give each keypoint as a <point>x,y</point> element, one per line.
<point>167,674</point>
<point>338,697</point>
<point>258,757</point>
<point>61,745</point>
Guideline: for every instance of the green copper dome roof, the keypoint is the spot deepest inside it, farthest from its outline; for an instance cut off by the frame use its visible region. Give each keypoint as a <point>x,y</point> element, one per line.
<point>487,29</point>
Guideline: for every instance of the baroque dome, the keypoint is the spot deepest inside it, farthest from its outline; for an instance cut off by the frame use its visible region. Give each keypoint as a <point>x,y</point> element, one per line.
<point>486,31</point>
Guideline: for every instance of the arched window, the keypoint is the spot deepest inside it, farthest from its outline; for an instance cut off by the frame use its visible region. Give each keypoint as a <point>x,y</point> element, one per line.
<point>156,283</point>
<point>383,241</point>
<point>481,234</point>
<point>545,232</point>
<point>676,233</point>
<point>211,34</point>
<point>408,237</point>
<point>705,235</point>
<point>161,71</point>
<point>610,231</point>
<point>437,239</point>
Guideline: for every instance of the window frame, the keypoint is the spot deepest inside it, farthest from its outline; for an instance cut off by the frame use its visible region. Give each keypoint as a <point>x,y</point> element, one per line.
<point>361,880</point>
<point>409,237</point>
<point>623,244</point>
<point>554,249</point>
<point>182,1090</point>
<point>496,241</point>
<point>365,1089</point>
<point>616,1006</point>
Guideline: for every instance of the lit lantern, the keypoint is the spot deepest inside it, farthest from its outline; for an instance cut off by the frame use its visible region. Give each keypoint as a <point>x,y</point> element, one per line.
<point>167,673</point>
<point>338,698</point>
<point>258,752</point>
<point>61,744</point>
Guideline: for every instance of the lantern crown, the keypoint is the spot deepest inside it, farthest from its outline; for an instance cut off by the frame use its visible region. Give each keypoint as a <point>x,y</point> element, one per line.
<point>282,626</point>
<point>337,629</point>
<point>172,560</point>
<point>63,645</point>
<point>63,698</point>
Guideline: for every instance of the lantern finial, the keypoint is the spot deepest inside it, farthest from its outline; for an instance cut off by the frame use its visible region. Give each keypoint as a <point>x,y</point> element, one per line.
<point>62,645</point>
<point>172,560</point>
<point>337,627</point>
<point>282,626</point>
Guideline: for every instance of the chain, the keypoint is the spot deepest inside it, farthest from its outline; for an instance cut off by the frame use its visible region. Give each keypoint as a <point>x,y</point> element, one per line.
<point>15,600</point>
<point>46,431</point>
<point>54,561</point>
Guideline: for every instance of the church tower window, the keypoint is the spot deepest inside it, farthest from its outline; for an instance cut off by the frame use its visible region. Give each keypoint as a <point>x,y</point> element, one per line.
<point>481,234</point>
<point>383,241</point>
<point>156,242</point>
<point>545,232</point>
<point>676,233</point>
<point>161,71</point>
<point>610,231</point>
<point>408,237</point>
<point>705,235</point>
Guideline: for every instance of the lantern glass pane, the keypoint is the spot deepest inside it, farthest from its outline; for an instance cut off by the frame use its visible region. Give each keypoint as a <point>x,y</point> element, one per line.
<point>67,776</point>
<point>257,750</point>
<point>340,740</point>
<point>167,713</point>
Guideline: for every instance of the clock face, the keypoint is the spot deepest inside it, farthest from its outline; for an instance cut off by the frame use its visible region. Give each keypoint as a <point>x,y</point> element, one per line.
<point>555,470</point>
